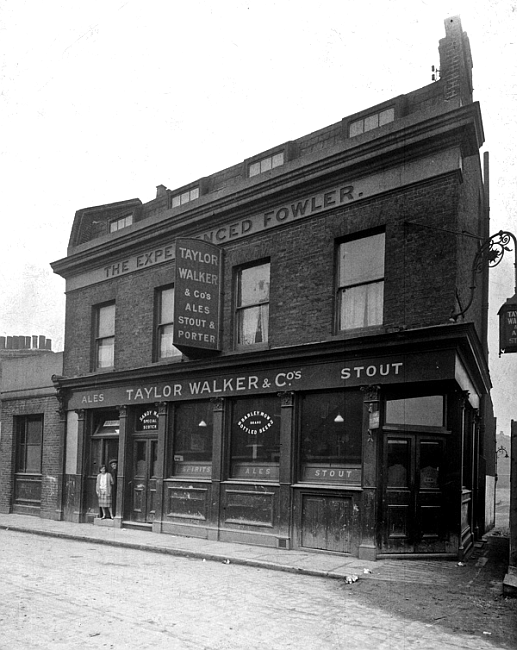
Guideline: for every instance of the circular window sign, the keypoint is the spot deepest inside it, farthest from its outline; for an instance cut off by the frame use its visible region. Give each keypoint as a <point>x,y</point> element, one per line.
<point>255,422</point>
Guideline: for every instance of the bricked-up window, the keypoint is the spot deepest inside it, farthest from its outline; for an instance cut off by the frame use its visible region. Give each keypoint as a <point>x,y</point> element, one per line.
<point>370,122</point>
<point>165,324</point>
<point>252,303</point>
<point>29,442</point>
<point>265,164</point>
<point>360,298</point>
<point>255,438</point>
<point>185,197</point>
<point>331,435</point>
<point>123,222</point>
<point>105,336</point>
<point>193,430</point>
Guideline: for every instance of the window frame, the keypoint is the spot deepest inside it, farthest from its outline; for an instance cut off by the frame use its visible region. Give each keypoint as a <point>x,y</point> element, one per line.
<point>161,325</point>
<point>369,116</point>
<point>99,339</point>
<point>240,309</point>
<point>408,427</point>
<point>118,224</point>
<point>185,196</point>
<point>199,463</point>
<point>243,411</point>
<point>331,468</point>
<point>21,429</point>
<point>341,288</point>
<point>266,163</point>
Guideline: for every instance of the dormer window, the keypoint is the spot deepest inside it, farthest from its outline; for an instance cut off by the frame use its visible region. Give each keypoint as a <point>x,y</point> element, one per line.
<point>122,222</point>
<point>185,197</point>
<point>370,122</point>
<point>265,164</point>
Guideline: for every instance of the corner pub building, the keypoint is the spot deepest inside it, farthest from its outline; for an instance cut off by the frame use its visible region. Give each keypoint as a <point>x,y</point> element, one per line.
<point>279,353</point>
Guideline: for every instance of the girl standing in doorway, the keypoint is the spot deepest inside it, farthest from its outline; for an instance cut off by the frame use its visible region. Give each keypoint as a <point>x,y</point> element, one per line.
<point>104,485</point>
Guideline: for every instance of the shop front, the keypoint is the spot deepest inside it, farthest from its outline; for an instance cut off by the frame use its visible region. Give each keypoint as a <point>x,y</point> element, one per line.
<point>364,456</point>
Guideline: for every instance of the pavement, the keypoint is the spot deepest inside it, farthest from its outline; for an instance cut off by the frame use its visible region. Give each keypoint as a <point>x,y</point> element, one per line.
<point>430,571</point>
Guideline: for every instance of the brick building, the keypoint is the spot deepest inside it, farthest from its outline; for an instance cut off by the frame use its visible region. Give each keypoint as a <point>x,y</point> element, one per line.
<point>280,354</point>
<point>32,429</point>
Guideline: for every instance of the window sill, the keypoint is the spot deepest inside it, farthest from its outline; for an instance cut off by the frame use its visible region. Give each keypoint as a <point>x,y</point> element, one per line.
<point>414,428</point>
<point>360,331</point>
<point>252,347</point>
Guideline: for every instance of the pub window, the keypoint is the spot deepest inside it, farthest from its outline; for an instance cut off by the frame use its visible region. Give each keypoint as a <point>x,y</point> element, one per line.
<point>29,442</point>
<point>185,197</point>
<point>331,436</point>
<point>360,298</point>
<point>252,305</point>
<point>193,432</point>
<point>372,121</point>
<point>428,411</point>
<point>122,222</point>
<point>165,324</point>
<point>104,336</point>
<point>266,163</point>
<point>255,439</point>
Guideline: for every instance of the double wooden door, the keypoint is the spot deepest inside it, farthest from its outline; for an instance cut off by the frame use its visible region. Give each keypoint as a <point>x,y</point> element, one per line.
<point>143,481</point>
<point>413,504</point>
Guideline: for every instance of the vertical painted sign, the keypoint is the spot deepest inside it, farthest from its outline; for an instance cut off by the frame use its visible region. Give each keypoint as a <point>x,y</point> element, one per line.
<point>508,326</point>
<point>197,296</point>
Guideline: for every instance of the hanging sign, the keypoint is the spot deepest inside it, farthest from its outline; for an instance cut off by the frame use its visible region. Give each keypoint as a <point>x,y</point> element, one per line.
<point>508,326</point>
<point>197,291</point>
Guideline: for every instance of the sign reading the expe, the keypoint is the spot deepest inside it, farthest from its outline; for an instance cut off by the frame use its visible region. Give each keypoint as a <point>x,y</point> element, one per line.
<point>197,296</point>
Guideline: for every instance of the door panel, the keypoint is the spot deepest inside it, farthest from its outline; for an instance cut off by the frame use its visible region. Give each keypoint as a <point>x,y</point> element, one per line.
<point>326,523</point>
<point>398,497</point>
<point>429,501</point>
<point>412,495</point>
<point>143,494</point>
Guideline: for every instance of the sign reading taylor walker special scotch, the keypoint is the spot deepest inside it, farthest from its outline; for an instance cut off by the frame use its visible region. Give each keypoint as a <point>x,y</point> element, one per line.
<point>197,290</point>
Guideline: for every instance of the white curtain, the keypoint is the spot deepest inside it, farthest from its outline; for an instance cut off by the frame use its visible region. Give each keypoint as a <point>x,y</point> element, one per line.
<point>362,306</point>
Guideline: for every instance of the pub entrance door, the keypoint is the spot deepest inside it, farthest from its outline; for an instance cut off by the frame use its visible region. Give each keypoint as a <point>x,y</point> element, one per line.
<point>143,482</point>
<point>414,517</point>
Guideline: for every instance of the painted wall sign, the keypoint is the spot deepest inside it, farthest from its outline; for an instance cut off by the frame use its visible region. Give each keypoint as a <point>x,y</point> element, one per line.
<point>428,366</point>
<point>197,294</point>
<point>508,326</point>
<point>305,206</point>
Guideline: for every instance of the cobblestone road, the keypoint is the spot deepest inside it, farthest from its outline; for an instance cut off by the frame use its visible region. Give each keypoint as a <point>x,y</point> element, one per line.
<point>65,594</point>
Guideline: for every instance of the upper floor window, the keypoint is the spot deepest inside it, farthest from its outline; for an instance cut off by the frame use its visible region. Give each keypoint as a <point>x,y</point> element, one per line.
<point>29,442</point>
<point>123,222</point>
<point>360,296</point>
<point>252,304</point>
<point>370,122</point>
<point>185,197</point>
<point>105,336</point>
<point>165,324</point>
<point>265,164</point>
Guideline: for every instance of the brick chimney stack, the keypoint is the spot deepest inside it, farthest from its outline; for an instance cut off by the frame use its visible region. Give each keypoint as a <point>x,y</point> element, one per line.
<point>456,62</point>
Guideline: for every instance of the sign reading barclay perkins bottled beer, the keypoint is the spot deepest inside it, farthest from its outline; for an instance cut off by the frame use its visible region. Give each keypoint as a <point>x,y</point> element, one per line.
<point>197,291</point>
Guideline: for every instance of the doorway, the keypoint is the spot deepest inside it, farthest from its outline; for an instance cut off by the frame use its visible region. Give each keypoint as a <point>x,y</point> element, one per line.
<point>143,483</point>
<point>414,517</point>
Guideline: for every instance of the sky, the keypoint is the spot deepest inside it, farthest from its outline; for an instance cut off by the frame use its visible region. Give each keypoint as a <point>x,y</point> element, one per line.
<point>103,100</point>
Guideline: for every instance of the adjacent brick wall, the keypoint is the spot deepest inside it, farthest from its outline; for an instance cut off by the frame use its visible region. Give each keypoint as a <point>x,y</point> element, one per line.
<point>52,460</point>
